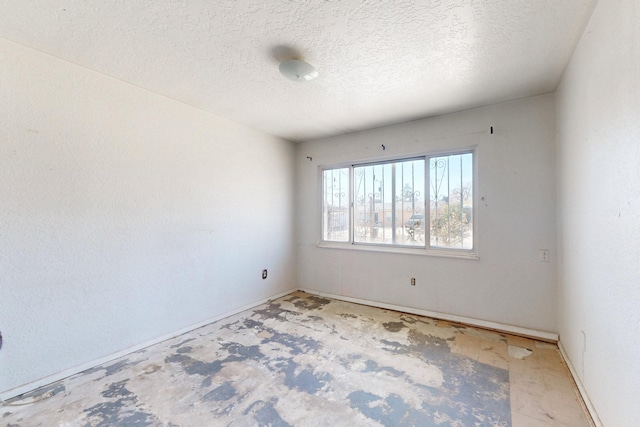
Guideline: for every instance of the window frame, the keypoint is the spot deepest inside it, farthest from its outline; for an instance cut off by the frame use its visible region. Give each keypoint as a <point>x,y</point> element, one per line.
<point>427,249</point>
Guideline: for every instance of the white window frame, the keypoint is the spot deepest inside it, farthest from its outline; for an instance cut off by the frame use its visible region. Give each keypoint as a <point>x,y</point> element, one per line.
<point>396,248</point>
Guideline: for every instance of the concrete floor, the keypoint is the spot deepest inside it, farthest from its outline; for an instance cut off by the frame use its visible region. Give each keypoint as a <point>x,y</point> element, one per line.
<point>302,360</point>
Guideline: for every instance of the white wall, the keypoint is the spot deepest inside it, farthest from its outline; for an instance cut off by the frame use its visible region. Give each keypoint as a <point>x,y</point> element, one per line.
<point>125,216</point>
<point>508,284</point>
<point>599,211</point>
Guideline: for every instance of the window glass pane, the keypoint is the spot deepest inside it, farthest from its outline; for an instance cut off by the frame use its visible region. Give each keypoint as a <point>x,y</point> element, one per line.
<point>335,206</point>
<point>410,202</point>
<point>451,201</point>
<point>371,185</point>
<point>388,202</point>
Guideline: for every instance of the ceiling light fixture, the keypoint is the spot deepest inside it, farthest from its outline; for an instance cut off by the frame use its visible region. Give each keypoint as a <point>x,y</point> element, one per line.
<point>298,70</point>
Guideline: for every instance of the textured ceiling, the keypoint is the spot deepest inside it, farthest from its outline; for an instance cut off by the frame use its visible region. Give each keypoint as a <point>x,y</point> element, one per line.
<point>380,62</point>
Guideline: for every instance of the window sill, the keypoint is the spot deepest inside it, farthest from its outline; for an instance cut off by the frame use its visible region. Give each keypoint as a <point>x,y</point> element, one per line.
<point>399,250</point>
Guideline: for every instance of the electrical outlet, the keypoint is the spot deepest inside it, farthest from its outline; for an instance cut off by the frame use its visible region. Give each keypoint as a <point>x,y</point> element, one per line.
<point>543,255</point>
<point>264,273</point>
<point>413,281</point>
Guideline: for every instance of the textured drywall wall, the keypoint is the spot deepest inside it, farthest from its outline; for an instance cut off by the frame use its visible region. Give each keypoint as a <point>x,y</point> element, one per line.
<point>516,218</point>
<point>126,215</point>
<point>599,211</point>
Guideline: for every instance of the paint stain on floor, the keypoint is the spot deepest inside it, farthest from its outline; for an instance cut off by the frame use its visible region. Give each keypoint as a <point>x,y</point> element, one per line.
<point>303,360</point>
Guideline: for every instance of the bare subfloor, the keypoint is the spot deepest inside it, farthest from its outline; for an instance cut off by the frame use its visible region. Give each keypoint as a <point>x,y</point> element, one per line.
<point>302,360</point>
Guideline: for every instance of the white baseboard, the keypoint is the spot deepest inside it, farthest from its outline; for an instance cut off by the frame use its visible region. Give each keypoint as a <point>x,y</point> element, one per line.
<point>583,392</point>
<point>17,391</point>
<point>516,330</point>
<point>542,335</point>
<point>546,336</point>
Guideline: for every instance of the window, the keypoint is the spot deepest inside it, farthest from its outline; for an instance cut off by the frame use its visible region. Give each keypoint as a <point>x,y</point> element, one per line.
<point>386,198</point>
<point>336,203</point>
<point>418,202</point>
<point>451,201</point>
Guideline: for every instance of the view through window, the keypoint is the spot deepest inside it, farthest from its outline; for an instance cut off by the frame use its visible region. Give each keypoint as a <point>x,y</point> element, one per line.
<point>451,201</point>
<point>420,202</point>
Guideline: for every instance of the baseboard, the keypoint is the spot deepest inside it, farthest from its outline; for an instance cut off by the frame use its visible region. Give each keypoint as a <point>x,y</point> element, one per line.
<point>17,391</point>
<point>516,330</point>
<point>581,390</point>
<point>532,333</point>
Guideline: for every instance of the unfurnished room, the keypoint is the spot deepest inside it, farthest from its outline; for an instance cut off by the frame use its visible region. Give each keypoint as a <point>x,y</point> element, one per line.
<point>319,213</point>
